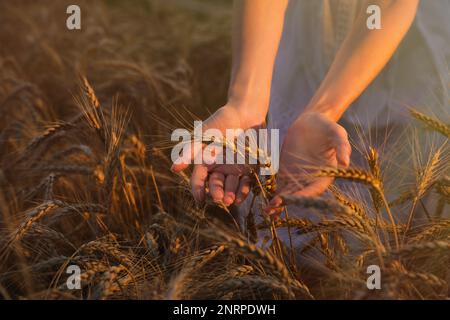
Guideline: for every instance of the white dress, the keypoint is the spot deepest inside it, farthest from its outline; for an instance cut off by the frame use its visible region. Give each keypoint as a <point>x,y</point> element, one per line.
<point>417,74</point>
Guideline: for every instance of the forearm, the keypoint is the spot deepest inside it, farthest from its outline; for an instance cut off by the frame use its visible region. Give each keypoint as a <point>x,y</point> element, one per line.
<point>257,28</point>
<point>362,56</point>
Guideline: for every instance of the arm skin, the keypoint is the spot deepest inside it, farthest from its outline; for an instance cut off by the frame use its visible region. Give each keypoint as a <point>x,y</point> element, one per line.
<point>315,139</point>
<point>362,56</point>
<point>257,32</point>
<point>257,29</point>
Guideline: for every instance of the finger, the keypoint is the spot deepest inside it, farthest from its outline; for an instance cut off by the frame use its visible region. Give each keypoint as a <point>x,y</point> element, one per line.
<point>216,185</point>
<point>343,152</point>
<point>343,147</point>
<point>198,179</point>
<point>313,189</point>
<point>275,206</point>
<point>189,153</point>
<point>243,189</point>
<point>231,185</point>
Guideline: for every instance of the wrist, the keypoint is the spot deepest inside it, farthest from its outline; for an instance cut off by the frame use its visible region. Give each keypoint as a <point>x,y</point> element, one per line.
<point>331,112</point>
<point>251,108</point>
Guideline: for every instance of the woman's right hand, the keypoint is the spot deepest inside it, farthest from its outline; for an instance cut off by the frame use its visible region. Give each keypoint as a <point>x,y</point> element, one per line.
<point>227,182</point>
<point>314,141</point>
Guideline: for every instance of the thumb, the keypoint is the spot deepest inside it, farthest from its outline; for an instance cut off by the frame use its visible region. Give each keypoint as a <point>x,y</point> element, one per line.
<point>343,147</point>
<point>189,152</point>
<point>275,206</point>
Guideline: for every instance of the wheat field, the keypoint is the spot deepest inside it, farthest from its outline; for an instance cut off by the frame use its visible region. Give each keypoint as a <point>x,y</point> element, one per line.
<point>85,130</point>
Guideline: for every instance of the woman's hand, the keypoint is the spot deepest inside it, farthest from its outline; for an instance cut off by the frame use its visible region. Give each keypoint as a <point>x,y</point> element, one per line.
<point>313,141</point>
<point>227,183</point>
<point>257,28</point>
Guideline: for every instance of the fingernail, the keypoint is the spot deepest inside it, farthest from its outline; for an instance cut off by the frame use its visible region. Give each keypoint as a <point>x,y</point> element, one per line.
<point>228,201</point>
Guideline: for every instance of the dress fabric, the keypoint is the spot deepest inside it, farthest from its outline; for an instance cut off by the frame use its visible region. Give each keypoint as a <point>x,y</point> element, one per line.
<point>417,75</point>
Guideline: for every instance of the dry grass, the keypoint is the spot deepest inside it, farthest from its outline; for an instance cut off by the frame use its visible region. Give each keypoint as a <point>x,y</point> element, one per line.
<point>84,178</point>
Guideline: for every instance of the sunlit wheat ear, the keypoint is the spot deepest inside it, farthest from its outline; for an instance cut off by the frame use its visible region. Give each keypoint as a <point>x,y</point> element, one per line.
<point>90,93</point>
<point>112,281</point>
<point>348,223</point>
<point>36,215</point>
<point>431,123</point>
<point>50,132</point>
<point>372,158</point>
<point>426,177</point>
<point>91,108</point>
<point>241,271</point>
<point>345,201</point>
<point>178,284</point>
<point>364,177</point>
<point>266,285</point>
<point>415,250</point>
<point>108,247</point>
<point>352,174</point>
<point>436,230</point>
<point>266,258</point>
<point>398,270</point>
<point>422,278</point>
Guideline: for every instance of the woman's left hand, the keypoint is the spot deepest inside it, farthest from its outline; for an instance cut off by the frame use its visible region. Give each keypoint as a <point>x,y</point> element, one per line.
<point>313,141</point>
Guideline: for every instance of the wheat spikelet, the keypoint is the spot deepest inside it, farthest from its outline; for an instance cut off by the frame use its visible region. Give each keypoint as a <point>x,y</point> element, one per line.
<point>254,284</point>
<point>400,271</point>
<point>111,282</point>
<point>425,179</point>
<point>372,158</point>
<point>92,268</point>
<point>432,123</point>
<point>64,154</point>
<point>352,205</point>
<point>35,215</point>
<point>360,259</point>
<point>346,223</point>
<point>427,278</point>
<point>361,176</point>
<point>89,91</point>
<point>203,257</point>
<point>303,224</point>
<point>266,257</point>
<point>427,176</point>
<point>241,271</point>
<point>268,260</point>
<point>412,250</point>
<point>353,174</point>
<point>49,132</point>
<point>106,246</point>
<point>430,231</point>
<point>180,284</point>
<point>37,230</point>
<point>323,241</point>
